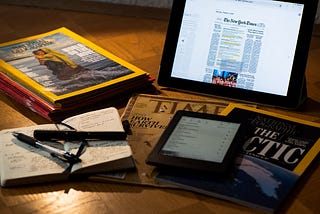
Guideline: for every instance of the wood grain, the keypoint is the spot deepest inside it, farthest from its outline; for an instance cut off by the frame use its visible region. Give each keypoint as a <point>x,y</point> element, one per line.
<point>140,41</point>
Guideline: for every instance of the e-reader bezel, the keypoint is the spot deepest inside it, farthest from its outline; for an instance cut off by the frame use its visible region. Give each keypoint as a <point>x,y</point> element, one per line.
<point>297,86</point>
<point>158,159</point>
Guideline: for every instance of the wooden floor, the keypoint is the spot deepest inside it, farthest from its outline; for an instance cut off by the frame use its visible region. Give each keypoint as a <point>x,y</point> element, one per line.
<point>139,41</point>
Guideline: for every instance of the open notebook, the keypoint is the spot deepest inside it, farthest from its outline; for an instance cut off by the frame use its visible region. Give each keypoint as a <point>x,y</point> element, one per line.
<point>22,164</point>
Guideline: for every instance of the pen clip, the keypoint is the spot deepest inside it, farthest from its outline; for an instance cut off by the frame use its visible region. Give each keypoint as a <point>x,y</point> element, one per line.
<point>53,151</point>
<point>73,158</point>
<point>68,157</point>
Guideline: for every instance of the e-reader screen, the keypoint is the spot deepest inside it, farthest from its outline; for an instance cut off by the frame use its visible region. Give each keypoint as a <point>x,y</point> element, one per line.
<point>200,139</point>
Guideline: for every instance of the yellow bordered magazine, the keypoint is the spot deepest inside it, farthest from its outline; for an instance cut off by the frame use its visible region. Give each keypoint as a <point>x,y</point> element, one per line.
<point>276,152</point>
<point>62,66</point>
<point>308,151</point>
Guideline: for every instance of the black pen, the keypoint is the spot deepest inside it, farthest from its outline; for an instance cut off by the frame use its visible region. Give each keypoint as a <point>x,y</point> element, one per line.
<point>64,155</point>
<point>78,135</point>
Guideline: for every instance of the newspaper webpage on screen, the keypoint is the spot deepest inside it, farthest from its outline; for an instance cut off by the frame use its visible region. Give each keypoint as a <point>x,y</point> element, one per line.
<point>247,44</point>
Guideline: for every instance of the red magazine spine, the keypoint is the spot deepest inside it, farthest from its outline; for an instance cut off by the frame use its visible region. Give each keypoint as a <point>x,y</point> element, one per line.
<point>25,97</point>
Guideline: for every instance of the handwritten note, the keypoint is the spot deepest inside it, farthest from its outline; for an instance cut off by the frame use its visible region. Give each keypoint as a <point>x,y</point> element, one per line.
<point>101,120</point>
<point>19,160</point>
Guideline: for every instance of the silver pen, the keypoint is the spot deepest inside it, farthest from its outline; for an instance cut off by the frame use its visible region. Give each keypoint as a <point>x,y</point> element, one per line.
<point>64,155</point>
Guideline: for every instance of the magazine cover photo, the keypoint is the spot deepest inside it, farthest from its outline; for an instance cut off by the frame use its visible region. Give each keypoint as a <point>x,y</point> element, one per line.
<point>60,63</point>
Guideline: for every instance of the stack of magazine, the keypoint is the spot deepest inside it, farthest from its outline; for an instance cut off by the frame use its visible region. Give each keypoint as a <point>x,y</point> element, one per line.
<point>59,73</point>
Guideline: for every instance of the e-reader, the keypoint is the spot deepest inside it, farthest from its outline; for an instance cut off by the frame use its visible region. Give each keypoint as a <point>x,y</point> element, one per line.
<point>198,141</point>
<point>253,50</point>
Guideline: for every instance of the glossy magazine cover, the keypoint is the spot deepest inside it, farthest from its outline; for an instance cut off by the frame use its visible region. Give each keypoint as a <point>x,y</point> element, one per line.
<point>61,64</point>
<point>276,152</point>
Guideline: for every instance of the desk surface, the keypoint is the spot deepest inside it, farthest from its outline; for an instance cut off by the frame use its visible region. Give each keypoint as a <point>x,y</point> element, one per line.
<point>140,42</point>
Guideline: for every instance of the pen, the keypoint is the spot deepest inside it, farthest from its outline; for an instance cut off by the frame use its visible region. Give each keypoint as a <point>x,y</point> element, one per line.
<point>64,155</point>
<point>78,135</point>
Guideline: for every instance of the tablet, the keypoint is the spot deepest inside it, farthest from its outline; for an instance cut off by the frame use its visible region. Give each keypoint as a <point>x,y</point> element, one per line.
<point>199,142</point>
<point>252,50</point>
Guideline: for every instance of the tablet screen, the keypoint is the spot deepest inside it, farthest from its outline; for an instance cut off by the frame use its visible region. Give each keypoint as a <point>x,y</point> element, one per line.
<point>200,139</point>
<point>233,43</point>
<point>252,50</point>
